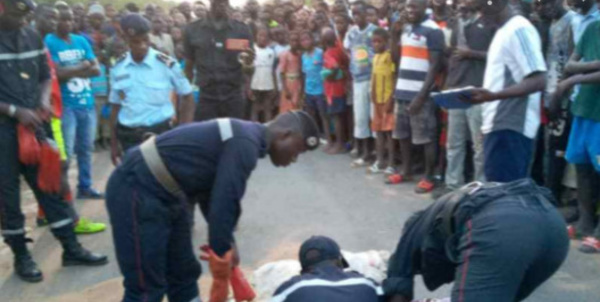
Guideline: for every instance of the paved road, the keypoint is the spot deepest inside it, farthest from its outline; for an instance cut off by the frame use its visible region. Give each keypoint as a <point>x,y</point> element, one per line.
<point>319,195</point>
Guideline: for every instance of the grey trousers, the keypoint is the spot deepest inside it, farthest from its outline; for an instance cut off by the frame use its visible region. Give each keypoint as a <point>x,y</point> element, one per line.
<point>462,125</point>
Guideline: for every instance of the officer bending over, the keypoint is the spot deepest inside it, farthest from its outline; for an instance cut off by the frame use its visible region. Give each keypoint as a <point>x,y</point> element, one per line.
<point>496,242</point>
<point>147,199</point>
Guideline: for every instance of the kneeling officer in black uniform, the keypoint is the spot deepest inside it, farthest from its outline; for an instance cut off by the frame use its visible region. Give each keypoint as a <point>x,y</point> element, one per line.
<point>497,242</point>
<point>211,162</point>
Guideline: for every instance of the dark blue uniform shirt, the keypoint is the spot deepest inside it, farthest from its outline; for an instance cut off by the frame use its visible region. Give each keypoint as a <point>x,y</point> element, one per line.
<point>328,283</point>
<point>211,162</point>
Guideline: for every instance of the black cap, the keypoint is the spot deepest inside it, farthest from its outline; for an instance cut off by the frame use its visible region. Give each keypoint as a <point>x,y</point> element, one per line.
<point>327,249</point>
<point>309,129</point>
<point>135,24</point>
<point>23,5</point>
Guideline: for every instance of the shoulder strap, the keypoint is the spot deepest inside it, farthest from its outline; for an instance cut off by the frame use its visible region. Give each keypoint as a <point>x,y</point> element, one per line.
<point>158,169</point>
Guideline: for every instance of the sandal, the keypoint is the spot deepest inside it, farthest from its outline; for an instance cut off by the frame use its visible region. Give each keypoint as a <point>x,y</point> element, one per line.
<point>395,179</point>
<point>424,186</point>
<point>573,234</point>
<point>590,245</point>
<point>358,163</point>
<point>374,169</point>
<point>390,171</point>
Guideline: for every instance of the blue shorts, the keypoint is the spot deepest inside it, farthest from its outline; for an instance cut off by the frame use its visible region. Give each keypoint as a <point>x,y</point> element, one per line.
<point>507,155</point>
<point>317,103</point>
<point>337,106</point>
<point>584,143</point>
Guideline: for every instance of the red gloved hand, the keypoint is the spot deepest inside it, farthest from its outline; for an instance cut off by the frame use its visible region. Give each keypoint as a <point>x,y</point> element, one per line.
<point>220,267</point>
<point>242,290</point>
<point>29,147</point>
<point>49,172</point>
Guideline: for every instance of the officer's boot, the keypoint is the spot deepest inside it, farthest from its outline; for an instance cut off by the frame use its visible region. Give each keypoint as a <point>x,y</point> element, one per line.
<point>75,254</point>
<point>25,267</point>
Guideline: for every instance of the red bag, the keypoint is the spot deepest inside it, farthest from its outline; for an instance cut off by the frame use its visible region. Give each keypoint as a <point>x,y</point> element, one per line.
<point>29,147</point>
<point>242,290</point>
<point>49,171</point>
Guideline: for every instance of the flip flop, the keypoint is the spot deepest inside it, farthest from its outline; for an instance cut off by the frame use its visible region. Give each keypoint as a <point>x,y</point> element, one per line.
<point>390,171</point>
<point>395,179</point>
<point>424,186</point>
<point>358,163</point>
<point>590,245</point>
<point>573,234</point>
<point>374,169</point>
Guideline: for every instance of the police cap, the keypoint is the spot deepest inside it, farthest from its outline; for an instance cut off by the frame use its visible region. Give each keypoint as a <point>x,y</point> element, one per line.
<point>135,24</point>
<point>22,5</point>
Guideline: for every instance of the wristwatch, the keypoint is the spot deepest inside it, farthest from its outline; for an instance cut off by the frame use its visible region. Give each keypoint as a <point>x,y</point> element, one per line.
<point>12,110</point>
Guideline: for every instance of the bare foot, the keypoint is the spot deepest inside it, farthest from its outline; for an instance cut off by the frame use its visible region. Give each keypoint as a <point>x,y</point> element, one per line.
<point>327,148</point>
<point>337,149</point>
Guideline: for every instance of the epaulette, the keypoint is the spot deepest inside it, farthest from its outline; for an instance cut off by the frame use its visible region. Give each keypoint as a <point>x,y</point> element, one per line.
<point>165,59</point>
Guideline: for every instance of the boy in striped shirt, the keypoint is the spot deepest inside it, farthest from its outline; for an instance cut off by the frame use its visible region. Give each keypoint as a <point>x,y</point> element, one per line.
<point>421,49</point>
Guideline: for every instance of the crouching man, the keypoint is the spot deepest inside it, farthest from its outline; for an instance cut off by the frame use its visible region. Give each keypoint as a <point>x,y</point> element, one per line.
<point>323,277</point>
<point>147,200</point>
<point>496,242</point>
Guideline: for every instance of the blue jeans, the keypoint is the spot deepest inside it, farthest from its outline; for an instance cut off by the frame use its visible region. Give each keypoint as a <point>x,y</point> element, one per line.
<point>79,129</point>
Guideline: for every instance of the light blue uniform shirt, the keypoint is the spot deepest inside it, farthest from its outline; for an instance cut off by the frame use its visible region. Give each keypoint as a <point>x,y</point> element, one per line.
<point>144,89</point>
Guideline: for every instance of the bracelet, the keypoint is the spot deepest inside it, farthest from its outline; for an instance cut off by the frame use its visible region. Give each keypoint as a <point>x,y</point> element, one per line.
<point>12,110</point>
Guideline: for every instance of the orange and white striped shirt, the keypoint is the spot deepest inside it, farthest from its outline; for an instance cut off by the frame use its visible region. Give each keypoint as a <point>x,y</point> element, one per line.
<point>416,44</point>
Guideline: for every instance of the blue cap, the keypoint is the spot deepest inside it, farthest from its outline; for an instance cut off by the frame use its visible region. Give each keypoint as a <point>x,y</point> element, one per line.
<point>326,249</point>
<point>135,24</point>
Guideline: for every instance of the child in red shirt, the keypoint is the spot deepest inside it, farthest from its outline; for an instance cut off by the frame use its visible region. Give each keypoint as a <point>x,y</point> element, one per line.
<point>335,69</point>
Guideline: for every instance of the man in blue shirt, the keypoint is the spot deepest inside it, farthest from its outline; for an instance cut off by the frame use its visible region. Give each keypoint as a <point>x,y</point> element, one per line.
<point>75,65</point>
<point>323,277</point>
<point>209,162</point>
<point>141,84</point>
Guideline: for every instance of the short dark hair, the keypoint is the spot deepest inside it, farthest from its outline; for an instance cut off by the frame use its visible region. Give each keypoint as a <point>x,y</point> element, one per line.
<point>380,32</point>
<point>42,8</point>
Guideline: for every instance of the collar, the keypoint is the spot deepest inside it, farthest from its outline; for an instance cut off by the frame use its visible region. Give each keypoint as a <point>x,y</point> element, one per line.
<point>208,22</point>
<point>150,56</point>
<point>592,13</point>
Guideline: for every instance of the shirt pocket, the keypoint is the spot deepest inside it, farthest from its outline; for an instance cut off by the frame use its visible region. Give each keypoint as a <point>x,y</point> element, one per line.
<point>124,89</point>
<point>159,92</point>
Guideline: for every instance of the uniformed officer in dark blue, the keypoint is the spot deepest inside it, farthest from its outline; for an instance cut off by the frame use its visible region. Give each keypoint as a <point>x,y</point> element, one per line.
<point>218,51</point>
<point>25,99</point>
<point>141,84</point>
<point>496,242</point>
<point>323,277</point>
<point>147,199</point>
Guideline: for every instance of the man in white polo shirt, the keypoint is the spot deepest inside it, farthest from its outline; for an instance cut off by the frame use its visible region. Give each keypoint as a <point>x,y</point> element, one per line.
<point>514,77</point>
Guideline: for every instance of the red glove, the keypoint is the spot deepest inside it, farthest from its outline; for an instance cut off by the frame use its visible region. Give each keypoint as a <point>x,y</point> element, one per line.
<point>29,147</point>
<point>242,290</point>
<point>49,179</point>
<point>220,267</point>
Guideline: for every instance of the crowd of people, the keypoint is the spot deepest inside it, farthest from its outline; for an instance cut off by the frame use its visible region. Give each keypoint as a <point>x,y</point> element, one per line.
<point>366,71</point>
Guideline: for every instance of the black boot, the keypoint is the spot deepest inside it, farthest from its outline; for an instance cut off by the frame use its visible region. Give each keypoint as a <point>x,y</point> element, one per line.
<point>75,254</point>
<point>25,267</point>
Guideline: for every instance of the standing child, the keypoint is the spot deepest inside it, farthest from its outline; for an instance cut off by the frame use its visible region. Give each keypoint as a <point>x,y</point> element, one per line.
<point>263,88</point>
<point>334,73</point>
<point>382,90</point>
<point>312,65</point>
<point>358,43</point>
<point>290,69</point>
